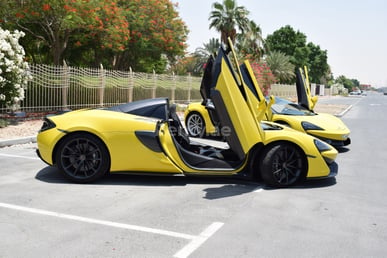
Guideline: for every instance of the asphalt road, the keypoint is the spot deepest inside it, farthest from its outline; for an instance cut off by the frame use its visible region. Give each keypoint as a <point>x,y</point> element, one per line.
<point>43,215</point>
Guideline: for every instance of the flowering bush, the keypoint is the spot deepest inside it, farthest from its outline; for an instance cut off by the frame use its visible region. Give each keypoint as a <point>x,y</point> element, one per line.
<point>264,76</point>
<point>14,71</point>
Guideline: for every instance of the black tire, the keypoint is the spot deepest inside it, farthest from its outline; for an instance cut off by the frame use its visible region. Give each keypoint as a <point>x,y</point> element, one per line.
<point>195,125</point>
<point>283,164</point>
<point>82,158</point>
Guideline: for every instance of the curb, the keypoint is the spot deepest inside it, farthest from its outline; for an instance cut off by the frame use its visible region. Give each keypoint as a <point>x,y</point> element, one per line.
<point>10,142</point>
<point>345,111</point>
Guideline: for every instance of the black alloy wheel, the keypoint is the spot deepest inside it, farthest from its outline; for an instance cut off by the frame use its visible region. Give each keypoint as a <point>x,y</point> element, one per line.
<point>82,158</point>
<point>283,164</point>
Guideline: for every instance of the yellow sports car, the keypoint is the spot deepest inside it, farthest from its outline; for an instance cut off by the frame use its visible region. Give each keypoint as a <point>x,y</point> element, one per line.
<point>300,117</point>
<point>148,137</point>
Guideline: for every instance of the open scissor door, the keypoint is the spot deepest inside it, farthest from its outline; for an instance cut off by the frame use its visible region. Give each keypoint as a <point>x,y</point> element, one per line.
<point>233,105</point>
<point>304,96</point>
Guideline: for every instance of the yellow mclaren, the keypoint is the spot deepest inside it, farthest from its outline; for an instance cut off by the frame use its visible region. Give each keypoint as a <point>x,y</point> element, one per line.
<point>299,116</point>
<point>148,137</point>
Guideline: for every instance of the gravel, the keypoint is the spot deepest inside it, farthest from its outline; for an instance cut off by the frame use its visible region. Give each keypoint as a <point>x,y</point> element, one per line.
<point>20,130</point>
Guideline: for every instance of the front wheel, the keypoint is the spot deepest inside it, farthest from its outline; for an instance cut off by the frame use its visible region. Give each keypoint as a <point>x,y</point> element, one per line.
<point>195,125</point>
<point>82,158</point>
<point>282,165</point>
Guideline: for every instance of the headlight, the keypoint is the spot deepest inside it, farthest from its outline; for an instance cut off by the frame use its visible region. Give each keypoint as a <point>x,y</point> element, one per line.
<point>47,124</point>
<point>321,146</point>
<point>310,126</point>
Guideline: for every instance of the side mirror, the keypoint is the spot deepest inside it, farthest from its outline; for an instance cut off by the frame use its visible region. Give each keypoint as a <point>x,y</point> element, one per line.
<point>271,101</point>
<point>314,100</point>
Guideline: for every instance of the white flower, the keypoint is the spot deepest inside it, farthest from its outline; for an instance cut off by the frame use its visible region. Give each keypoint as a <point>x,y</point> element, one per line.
<point>14,70</point>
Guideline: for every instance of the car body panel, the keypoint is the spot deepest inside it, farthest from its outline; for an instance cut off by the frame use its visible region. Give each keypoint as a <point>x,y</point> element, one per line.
<point>333,127</point>
<point>126,150</point>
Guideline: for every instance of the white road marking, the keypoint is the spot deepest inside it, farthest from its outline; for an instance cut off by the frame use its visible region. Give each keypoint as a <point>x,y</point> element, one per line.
<point>198,240</point>
<point>18,156</point>
<point>194,244</point>
<point>97,221</point>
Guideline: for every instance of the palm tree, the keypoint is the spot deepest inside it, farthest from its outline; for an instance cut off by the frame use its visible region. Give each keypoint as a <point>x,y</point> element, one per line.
<point>202,53</point>
<point>208,48</point>
<point>251,43</point>
<point>280,66</point>
<point>226,17</point>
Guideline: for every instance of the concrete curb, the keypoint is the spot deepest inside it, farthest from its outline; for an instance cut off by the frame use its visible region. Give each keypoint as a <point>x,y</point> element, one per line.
<point>10,142</point>
<point>345,111</point>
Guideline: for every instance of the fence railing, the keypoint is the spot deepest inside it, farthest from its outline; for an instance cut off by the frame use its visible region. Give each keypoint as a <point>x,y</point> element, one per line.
<point>64,87</point>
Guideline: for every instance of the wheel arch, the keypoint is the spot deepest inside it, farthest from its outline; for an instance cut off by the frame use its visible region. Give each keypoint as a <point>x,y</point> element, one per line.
<point>259,149</point>
<point>70,134</point>
<point>190,113</point>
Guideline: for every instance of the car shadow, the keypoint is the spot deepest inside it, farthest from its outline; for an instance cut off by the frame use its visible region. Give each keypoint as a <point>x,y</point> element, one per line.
<point>54,176</point>
<point>308,184</point>
<point>229,186</point>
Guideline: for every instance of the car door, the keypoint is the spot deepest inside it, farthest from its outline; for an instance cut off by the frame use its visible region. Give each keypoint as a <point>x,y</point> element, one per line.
<point>304,96</point>
<point>234,105</point>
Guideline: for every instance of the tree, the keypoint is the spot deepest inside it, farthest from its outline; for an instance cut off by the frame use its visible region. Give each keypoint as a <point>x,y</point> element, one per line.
<point>348,83</point>
<point>251,43</point>
<point>142,34</point>
<point>318,64</point>
<point>264,76</point>
<point>202,54</point>
<point>290,42</point>
<point>156,30</point>
<point>281,66</point>
<point>185,65</point>
<point>227,17</point>
<point>51,23</point>
<point>293,44</point>
<point>208,48</point>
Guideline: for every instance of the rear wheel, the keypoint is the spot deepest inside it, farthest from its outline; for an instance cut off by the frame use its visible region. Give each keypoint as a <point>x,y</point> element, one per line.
<point>282,165</point>
<point>195,125</point>
<point>82,158</point>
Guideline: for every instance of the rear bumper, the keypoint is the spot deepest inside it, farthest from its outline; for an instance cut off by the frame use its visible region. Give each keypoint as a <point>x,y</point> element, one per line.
<point>40,156</point>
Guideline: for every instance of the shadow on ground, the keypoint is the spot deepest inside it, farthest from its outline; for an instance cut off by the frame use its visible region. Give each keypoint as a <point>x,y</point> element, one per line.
<point>223,187</point>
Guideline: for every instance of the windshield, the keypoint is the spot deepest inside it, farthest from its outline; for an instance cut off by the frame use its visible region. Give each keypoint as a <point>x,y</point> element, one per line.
<point>285,107</point>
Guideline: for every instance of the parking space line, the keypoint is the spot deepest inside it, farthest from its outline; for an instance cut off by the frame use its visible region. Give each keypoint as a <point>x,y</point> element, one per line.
<point>198,240</point>
<point>18,156</point>
<point>194,244</point>
<point>97,221</point>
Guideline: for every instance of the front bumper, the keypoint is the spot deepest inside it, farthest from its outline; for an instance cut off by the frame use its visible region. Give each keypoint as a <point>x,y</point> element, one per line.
<point>333,171</point>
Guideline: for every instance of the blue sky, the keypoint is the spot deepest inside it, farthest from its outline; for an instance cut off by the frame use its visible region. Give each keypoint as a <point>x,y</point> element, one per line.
<point>353,32</point>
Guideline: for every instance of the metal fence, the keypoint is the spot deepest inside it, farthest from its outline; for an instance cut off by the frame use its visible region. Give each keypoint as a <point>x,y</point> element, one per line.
<point>56,88</point>
<point>64,87</point>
